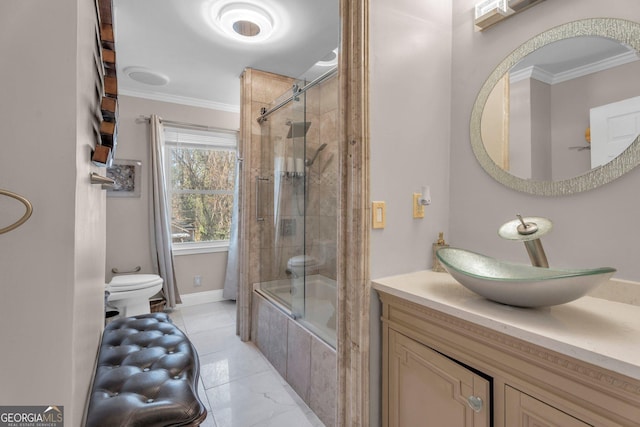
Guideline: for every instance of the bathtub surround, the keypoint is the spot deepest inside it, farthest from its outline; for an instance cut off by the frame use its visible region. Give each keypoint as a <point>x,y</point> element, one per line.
<point>238,385</point>
<point>293,229</point>
<point>306,362</point>
<point>320,314</point>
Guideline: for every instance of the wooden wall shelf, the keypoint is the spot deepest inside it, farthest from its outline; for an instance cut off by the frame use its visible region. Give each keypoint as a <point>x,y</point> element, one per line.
<point>105,148</point>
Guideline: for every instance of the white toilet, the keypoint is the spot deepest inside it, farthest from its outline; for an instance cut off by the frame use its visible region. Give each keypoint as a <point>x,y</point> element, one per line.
<point>130,293</point>
<point>301,265</point>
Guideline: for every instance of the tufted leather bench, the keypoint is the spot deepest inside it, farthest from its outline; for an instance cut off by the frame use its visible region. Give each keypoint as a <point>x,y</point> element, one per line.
<point>147,375</point>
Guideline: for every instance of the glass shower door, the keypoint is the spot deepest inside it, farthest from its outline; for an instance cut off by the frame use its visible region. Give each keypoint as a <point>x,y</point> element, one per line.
<point>281,204</point>
<point>298,182</point>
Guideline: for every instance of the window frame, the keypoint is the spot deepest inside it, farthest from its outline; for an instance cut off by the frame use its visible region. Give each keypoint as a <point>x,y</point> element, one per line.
<point>208,139</point>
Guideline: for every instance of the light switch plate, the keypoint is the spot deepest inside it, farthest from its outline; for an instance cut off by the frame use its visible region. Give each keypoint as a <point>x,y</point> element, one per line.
<point>378,214</point>
<point>418,209</point>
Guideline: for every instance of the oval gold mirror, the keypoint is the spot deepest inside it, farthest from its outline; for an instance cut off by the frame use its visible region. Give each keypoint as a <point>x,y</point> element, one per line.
<point>561,114</point>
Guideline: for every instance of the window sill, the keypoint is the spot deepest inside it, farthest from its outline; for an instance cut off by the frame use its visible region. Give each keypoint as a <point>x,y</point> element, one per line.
<point>180,249</point>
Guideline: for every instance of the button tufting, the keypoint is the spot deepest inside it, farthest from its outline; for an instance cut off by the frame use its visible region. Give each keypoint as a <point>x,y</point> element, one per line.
<point>142,352</point>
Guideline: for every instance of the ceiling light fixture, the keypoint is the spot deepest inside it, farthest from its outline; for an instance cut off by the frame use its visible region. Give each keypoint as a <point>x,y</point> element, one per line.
<point>329,60</point>
<point>247,22</point>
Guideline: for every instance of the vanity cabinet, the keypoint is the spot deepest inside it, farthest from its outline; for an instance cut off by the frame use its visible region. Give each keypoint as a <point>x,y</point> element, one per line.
<point>427,388</point>
<point>522,410</point>
<point>438,367</point>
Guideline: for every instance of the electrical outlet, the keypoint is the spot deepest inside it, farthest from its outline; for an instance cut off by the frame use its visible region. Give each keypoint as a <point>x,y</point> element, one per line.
<point>197,280</point>
<point>418,208</point>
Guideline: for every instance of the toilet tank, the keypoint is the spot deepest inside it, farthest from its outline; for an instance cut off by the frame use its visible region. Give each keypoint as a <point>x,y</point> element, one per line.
<point>323,250</point>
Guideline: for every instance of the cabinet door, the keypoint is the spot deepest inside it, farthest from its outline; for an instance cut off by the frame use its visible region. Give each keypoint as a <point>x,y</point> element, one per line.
<point>522,410</point>
<point>427,389</point>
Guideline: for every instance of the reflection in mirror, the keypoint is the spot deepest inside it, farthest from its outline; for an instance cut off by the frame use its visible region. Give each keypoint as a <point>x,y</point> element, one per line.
<point>564,109</point>
<point>556,112</point>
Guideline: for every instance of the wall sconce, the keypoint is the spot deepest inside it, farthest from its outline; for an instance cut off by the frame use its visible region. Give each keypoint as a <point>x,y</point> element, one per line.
<point>489,12</point>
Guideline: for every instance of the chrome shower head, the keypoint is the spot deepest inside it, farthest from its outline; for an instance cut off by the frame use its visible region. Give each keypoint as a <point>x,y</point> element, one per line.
<point>297,129</point>
<point>315,155</point>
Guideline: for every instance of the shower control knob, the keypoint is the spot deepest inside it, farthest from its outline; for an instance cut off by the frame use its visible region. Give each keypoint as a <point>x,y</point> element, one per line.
<point>475,403</point>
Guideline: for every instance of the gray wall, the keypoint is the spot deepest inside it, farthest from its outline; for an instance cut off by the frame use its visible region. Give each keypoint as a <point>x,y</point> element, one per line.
<point>593,228</point>
<point>410,90</point>
<point>410,68</point>
<point>569,122</point>
<point>52,267</point>
<point>128,218</point>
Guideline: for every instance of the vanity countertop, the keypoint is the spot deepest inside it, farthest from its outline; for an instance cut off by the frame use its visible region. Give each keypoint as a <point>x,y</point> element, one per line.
<point>594,330</point>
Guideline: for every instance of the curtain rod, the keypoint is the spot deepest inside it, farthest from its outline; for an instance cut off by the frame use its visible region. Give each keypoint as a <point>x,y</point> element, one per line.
<point>311,84</point>
<point>146,119</point>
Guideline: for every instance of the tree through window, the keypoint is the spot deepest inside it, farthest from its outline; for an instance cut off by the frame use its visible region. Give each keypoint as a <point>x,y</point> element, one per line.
<point>200,174</point>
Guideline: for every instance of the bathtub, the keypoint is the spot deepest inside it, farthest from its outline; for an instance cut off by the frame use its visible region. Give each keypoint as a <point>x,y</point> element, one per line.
<point>301,348</point>
<point>318,300</point>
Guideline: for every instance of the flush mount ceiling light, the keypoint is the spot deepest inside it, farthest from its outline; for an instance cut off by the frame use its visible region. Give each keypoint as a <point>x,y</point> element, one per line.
<point>146,76</point>
<point>243,21</point>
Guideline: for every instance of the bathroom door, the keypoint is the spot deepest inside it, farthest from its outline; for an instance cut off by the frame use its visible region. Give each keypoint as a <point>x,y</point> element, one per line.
<point>613,128</point>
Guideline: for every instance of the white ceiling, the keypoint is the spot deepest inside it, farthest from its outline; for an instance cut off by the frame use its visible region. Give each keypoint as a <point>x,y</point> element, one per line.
<point>576,56</point>
<point>174,38</point>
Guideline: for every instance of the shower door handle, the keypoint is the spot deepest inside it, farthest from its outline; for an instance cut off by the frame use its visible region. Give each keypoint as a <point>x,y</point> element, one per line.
<point>259,198</point>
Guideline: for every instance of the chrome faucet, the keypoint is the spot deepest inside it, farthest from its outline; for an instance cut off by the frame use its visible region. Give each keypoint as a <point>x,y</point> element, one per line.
<point>529,230</point>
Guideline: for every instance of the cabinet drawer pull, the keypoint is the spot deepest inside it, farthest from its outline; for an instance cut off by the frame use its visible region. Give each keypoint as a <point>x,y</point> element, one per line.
<point>475,403</point>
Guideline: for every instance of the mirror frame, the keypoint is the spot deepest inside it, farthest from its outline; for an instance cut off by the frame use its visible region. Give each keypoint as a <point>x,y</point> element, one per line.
<point>626,32</point>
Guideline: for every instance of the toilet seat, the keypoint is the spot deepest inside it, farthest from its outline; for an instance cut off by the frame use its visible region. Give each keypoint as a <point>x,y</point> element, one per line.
<point>303,261</point>
<point>132,282</point>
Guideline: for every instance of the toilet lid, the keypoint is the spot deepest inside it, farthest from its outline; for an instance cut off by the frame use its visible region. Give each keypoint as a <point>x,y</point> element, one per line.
<point>136,281</point>
<point>302,261</point>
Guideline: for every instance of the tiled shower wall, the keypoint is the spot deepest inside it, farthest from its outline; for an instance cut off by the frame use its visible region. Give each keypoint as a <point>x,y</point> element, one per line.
<point>322,108</point>
<point>259,90</point>
<point>269,261</point>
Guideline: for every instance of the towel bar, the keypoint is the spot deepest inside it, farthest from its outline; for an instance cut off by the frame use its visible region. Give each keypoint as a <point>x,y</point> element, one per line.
<point>24,218</point>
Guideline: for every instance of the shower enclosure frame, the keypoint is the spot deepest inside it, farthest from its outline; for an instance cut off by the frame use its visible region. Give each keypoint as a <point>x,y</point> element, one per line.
<point>298,233</point>
<point>353,230</point>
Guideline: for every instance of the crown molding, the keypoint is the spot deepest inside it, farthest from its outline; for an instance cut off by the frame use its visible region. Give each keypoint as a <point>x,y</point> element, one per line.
<point>544,76</point>
<point>182,100</point>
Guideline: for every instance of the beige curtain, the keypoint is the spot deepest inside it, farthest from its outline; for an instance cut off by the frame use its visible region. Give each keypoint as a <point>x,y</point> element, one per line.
<point>160,215</point>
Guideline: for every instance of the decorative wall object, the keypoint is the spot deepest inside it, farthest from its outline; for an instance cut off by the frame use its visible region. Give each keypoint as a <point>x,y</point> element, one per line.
<point>126,174</point>
<point>106,68</point>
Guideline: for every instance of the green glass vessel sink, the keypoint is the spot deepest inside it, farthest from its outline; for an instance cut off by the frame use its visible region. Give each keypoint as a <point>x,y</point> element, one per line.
<point>519,285</point>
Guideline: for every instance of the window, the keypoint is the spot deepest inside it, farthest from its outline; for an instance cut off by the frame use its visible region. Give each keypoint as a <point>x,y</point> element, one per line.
<point>200,172</point>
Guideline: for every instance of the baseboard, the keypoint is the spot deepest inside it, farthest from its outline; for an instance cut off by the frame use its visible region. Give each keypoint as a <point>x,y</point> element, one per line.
<point>201,297</point>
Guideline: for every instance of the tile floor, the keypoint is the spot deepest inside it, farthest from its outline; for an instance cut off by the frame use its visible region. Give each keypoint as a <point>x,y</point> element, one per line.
<point>238,385</point>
